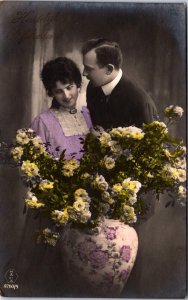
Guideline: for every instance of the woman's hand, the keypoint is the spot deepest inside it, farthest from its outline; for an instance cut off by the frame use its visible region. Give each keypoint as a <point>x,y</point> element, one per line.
<point>97,130</point>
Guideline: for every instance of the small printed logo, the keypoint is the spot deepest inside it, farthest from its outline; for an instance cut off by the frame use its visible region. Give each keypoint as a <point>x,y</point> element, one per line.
<point>11,276</point>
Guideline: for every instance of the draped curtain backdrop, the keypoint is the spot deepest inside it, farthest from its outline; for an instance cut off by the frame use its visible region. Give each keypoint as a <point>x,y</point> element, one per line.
<point>153,41</point>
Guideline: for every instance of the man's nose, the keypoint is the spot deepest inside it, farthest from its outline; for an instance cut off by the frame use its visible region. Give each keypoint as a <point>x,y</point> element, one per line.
<point>67,94</point>
<point>84,73</point>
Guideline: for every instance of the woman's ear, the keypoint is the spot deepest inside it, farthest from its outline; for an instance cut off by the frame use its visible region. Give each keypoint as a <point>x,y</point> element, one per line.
<point>110,69</point>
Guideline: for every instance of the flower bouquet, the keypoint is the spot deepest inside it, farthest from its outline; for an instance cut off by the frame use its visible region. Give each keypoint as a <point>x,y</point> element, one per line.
<point>118,167</point>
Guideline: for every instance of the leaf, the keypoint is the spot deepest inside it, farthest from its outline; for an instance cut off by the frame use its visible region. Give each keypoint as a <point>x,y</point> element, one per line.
<point>168,203</point>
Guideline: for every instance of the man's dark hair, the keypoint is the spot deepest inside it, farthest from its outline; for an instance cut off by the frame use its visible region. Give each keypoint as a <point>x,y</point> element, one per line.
<point>60,69</point>
<point>107,52</point>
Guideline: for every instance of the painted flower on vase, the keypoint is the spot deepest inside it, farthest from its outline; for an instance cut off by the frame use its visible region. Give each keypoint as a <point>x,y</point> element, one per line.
<point>125,253</point>
<point>110,232</point>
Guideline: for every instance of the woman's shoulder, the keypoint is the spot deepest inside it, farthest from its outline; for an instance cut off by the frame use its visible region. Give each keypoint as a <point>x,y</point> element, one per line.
<point>84,109</point>
<point>44,116</point>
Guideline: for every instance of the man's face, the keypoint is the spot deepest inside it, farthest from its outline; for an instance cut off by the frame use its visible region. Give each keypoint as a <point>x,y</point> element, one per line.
<point>92,71</point>
<point>66,94</point>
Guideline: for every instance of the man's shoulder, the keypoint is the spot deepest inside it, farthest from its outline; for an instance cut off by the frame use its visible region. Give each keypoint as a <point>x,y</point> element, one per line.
<point>131,90</point>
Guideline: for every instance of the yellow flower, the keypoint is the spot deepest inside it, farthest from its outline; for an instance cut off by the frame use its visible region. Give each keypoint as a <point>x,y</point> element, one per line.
<point>32,201</point>
<point>129,132</point>
<point>67,173</point>
<point>37,141</point>
<point>80,205</point>
<point>167,153</point>
<point>117,188</point>
<point>17,153</point>
<point>81,194</point>
<point>69,167</point>
<point>46,185</point>
<point>61,217</point>
<point>85,176</point>
<point>149,175</point>
<point>29,169</point>
<point>128,214</point>
<point>131,185</point>
<point>161,125</point>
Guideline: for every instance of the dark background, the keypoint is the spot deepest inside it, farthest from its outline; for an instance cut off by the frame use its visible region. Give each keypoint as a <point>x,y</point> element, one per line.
<point>153,41</point>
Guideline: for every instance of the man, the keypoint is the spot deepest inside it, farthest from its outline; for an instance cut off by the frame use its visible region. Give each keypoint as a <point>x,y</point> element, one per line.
<point>112,99</point>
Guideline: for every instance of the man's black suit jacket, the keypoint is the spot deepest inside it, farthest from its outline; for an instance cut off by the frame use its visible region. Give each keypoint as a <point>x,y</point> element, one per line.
<point>127,105</point>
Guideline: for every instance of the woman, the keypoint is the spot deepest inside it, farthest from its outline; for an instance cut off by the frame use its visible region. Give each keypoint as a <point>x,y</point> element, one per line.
<point>41,267</point>
<point>62,126</point>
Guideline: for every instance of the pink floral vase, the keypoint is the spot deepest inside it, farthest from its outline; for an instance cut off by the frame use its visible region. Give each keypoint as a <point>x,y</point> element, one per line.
<point>99,264</point>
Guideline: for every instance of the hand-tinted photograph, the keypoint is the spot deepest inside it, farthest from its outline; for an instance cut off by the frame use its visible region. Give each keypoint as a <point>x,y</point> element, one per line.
<point>93,149</point>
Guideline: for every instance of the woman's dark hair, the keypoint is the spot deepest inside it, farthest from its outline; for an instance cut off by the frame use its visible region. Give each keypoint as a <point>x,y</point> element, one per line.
<point>60,69</point>
<point>107,52</point>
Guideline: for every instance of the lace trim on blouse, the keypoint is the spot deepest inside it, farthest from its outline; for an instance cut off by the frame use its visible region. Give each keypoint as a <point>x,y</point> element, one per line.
<point>72,124</point>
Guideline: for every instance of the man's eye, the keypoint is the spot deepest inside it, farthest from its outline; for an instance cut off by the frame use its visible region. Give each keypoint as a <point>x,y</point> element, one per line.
<point>58,91</point>
<point>70,87</point>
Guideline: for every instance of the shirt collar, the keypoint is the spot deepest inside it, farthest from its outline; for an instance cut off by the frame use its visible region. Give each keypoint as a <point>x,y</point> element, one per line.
<point>108,88</point>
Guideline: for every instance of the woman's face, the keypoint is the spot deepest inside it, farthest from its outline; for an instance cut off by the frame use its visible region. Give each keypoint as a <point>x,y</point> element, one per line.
<point>66,94</point>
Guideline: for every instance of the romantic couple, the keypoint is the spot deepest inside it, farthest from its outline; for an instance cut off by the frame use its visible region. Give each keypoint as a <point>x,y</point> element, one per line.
<point>112,99</point>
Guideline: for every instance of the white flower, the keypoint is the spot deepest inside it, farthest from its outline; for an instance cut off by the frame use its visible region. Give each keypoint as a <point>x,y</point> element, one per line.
<point>85,216</point>
<point>182,191</point>
<point>128,214</point>
<point>174,111</point>
<point>22,138</point>
<point>109,162</point>
<point>133,199</point>
<point>180,163</point>
<point>174,173</point>
<point>127,154</point>
<point>100,182</point>
<point>50,237</point>
<point>115,147</point>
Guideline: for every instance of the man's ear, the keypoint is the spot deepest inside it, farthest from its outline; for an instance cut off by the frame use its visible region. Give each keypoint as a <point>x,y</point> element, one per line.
<point>110,69</point>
